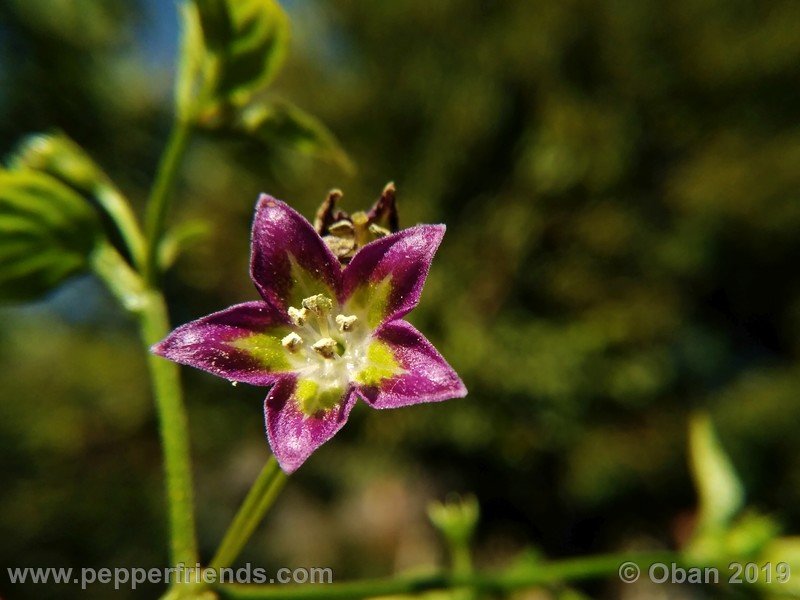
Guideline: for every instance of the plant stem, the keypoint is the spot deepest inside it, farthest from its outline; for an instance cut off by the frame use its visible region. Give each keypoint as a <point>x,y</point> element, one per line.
<point>158,203</point>
<point>122,281</point>
<point>173,424</point>
<point>545,573</point>
<point>154,326</point>
<point>149,306</point>
<point>118,209</point>
<point>258,501</point>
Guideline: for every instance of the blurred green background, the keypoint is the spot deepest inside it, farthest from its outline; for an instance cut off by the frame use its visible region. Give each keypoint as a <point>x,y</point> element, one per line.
<point>621,186</point>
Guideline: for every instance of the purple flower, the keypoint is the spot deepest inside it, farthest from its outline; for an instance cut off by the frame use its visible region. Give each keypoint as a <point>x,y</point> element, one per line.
<point>322,335</point>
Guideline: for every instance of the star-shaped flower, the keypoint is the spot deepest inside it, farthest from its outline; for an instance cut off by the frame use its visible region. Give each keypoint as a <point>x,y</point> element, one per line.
<point>322,335</point>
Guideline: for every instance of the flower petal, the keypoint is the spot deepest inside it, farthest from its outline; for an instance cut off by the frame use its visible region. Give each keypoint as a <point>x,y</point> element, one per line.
<point>289,261</point>
<point>424,375</point>
<point>240,343</point>
<point>293,435</point>
<point>385,278</point>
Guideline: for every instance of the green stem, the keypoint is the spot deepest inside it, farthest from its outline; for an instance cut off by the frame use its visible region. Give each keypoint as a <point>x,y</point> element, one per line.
<point>158,203</point>
<point>258,501</point>
<point>546,573</point>
<point>122,281</point>
<point>462,567</point>
<point>173,424</point>
<point>118,209</point>
<point>148,304</point>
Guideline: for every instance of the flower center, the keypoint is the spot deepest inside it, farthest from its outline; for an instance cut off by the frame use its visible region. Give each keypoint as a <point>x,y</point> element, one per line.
<point>326,346</point>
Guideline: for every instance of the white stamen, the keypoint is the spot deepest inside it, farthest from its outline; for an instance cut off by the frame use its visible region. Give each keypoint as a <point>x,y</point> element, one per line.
<point>319,304</point>
<point>299,316</point>
<point>345,322</point>
<point>325,347</point>
<point>292,342</point>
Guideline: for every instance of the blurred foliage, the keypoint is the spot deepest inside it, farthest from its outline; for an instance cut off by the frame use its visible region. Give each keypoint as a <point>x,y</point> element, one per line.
<point>233,50</point>
<point>620,185</point>
<point>46,233</point>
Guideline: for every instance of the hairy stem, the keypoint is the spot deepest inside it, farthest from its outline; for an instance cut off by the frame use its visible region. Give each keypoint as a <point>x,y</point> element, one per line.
<point>149,306</point>
<point>158,203</point>
<point>540,574</point>
<point>258,501</point>
<point>173,424</point>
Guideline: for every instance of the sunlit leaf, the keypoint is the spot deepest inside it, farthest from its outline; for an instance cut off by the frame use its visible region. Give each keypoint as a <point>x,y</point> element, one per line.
<point>57,155</point>
<point>232,50</point>
<point>252,43</point>
<point>189,80</point>
<point>47,231</point>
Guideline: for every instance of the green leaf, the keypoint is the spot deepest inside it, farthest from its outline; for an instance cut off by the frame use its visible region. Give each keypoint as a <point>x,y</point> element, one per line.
<point>255,47</point>
<point>720,492</point>
<point>189,80</point>
<point>59,156</point>
<point>47,232</point>
<point>232,50</point>
<point>282,125</point>
<point>215,22</point>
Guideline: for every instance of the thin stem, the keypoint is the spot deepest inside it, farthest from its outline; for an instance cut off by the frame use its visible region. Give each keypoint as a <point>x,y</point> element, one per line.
<point>462,567</point>
<point>158,203</point>
<point>258,501</point>
<point>462,561</point>
<point>118,209</point>
<point>545,573</point>
<point>173,424</point>
<point>122,281</point>
<point>148,304</point>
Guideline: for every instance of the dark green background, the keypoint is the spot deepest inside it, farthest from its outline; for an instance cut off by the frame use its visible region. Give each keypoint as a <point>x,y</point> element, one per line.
<point>621,186</point>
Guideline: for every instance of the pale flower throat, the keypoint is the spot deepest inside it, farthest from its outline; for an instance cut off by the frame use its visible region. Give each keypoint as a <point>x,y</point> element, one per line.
<point>326,348</point>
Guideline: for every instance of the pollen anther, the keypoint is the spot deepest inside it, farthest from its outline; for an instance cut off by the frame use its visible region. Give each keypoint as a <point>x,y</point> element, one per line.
<point>299,316</point>
<point>319,304</point>
<point>346,322</point>
<point>292,342</point>
<point>325,347</point>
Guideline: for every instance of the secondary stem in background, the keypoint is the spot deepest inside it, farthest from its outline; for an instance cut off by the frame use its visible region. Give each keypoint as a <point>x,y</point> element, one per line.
<point>158,203</point>
<point>539,574</point>
<point>258,501</point>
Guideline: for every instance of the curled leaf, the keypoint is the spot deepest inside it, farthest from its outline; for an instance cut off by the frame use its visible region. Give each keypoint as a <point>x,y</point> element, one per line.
<point>59,156</point>
<point>47,232</point>
<point>231,51</point>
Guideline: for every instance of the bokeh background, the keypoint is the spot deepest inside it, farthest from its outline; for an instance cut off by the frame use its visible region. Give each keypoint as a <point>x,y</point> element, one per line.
<point>621,186</point>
